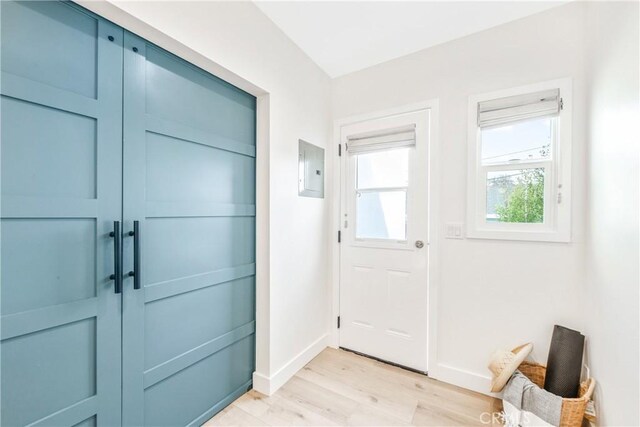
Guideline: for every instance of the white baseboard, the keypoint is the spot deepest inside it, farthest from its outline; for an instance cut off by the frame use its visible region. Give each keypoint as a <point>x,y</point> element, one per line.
<point>441,372</point>
<point>261,383</point>
<point>270,384</point>
<point>462,378</point>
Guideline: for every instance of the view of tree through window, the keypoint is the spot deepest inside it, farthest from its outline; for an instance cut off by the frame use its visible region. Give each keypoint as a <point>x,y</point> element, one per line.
<point>516,196</point>
<point>515,192</point>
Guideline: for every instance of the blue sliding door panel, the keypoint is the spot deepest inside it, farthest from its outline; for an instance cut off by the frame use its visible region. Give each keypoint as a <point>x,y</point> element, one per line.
<point>181,93</point>
<point>61,90</point>
<point>204,387</point>
<point>99,126</point>
<point>189,179</point>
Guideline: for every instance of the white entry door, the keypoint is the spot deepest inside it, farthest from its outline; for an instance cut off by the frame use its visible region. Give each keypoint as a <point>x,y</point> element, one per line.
<point>384,239</point>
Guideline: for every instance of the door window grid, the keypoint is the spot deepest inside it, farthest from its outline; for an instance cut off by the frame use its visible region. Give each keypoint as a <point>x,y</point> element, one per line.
<point>381,187</point>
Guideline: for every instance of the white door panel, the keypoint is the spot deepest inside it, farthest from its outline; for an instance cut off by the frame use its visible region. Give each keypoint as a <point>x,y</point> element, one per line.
<point>383,275</point>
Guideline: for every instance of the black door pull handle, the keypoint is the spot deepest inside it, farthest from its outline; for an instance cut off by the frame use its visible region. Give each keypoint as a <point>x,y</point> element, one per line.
<point>117,257</point>
<point>135,273</point>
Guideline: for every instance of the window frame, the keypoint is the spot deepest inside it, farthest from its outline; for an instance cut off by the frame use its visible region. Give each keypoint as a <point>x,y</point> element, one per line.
<point>556,226</point>
<point>352,204</point>
<point>360,190</point>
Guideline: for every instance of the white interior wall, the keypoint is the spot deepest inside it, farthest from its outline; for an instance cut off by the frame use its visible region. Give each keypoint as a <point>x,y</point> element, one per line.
<point>490,293</point>
<point>237,42</point>
<point>612,256</point>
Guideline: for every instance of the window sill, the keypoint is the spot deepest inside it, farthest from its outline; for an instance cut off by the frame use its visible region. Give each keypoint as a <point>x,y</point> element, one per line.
<point>519,235</point>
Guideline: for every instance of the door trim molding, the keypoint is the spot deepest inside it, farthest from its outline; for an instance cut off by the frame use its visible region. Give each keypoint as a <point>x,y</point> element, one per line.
<point>433,212</point>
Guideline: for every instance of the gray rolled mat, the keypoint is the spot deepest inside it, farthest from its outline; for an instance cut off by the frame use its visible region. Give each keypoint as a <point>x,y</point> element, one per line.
<point>565,362</point>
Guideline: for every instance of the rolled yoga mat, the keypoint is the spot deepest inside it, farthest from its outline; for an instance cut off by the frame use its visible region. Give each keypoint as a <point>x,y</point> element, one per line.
<point>565,362</point>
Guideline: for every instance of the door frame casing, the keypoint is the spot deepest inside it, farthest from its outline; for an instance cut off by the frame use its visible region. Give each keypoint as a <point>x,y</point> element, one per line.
<point>432,210</point>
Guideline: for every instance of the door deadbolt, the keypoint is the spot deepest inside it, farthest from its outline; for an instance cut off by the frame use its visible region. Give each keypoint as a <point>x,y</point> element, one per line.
<point>419,244</point>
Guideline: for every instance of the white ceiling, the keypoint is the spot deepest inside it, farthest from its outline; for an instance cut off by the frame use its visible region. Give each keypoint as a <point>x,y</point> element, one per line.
<point>346,36</point>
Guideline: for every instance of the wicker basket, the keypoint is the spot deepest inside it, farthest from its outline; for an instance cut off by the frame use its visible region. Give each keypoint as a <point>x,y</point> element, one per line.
<point>572,409</point>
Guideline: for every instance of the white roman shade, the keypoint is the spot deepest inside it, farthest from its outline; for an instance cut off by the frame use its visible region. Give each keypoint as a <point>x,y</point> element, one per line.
<point>404,136</point>
<point>519,107</point>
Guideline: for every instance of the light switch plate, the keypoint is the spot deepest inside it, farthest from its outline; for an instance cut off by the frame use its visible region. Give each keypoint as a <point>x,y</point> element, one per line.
<point>454,230</point>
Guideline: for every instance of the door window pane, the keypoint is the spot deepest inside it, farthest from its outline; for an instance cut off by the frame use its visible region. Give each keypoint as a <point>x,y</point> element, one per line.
<point>524,141</point>
<point>515,196</point>
<point>381,215</point>
<point>383,169</point>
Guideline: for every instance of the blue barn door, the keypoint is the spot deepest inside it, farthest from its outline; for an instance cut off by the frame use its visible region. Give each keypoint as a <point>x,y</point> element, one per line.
<point>189,182</point>
<point>61,89</point>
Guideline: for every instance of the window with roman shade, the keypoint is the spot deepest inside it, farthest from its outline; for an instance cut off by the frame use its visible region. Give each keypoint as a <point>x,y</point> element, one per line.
<point>381,159</point>
<point>519,163</point>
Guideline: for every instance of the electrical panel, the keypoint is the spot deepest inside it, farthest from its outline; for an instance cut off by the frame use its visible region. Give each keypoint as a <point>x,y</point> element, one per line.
<point>310,170</point>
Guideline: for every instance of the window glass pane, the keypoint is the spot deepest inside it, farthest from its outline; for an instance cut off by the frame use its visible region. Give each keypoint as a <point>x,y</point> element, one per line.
<point>515,196</point>
<point>528,140</point>
<point>383,169</point>
<point>381,215</point>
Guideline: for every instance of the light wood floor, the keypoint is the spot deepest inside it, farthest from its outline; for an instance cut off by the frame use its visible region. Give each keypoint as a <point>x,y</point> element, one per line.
<point>342,388</point>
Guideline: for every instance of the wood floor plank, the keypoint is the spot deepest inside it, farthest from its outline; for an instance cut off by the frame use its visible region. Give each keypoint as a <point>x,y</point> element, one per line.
<point>285,412</point>
<point>377,387</point>
<point>368,415</point>
<point>254,403</point>
<point>342,388</point>
<point>234,416</point>
<point>326,402</point>
<point>361,390</point>
<point>431,393</point>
